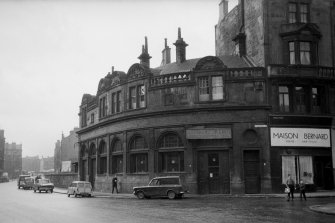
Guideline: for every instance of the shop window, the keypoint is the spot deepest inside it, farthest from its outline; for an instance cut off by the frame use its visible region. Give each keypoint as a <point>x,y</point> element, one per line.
<point>103,107</point>
<point>116,157</point>
<point>284,99</point>
<point>137,97</point>
<point>138,155</point>
<point>102,168</point>
<point>116,102</point>
<point>210,88</point>
<point>300,99</point>
<point>298,13</point>
<point>299,167</point>
<point>171,153</point>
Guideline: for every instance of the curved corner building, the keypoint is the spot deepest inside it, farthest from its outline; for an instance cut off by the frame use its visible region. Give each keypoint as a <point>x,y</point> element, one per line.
<point>238,122</point>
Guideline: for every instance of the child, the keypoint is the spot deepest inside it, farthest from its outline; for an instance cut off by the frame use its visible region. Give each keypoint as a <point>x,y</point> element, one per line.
<point>302,188</point>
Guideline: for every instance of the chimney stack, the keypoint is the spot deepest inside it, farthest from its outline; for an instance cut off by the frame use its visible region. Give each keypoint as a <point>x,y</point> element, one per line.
<point>223,9</point>
<point>166,54</point>
<point>180,48</point>
<point>145,57</point>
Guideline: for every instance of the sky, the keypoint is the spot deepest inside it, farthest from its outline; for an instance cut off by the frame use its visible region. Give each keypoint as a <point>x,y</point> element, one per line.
<point>54,51</point>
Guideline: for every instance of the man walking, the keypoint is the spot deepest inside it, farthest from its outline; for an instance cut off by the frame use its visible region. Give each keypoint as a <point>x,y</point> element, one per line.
<point>114,181</point>
<point>290,184</point>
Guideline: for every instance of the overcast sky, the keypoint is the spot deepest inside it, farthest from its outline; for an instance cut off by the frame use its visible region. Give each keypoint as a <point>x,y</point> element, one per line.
<point>54,51</point>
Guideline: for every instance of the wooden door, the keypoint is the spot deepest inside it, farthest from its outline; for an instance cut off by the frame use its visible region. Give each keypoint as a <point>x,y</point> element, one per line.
<point>251,171</point>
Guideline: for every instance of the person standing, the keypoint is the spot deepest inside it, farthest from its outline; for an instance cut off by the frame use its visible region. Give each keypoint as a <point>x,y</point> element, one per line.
<point>114,182</point>
<point>290,184</point>
<point>302,188</point>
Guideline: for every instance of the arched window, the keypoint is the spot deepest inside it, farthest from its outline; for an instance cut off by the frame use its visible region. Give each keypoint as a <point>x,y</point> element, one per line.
<point>116,157</point>
<point>102,156</point>
<point>92,151</point>
<point>171,153</point>
<point>138,155</point>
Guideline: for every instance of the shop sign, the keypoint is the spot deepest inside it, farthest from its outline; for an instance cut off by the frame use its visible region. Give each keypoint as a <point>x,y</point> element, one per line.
<point>209,133</point>
<point>300,137</point>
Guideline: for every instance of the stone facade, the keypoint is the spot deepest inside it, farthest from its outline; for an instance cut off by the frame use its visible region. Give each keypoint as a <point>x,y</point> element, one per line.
<point>2,151</point>
<point>13,160</point>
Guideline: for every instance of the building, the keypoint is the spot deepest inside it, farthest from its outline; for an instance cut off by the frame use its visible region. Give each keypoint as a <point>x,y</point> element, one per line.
<point>31,164</point>
<point>13,160</point>
<point>238,122</point>
<point>66,153</point>
<point>47,164</point>
<point>2,151</point>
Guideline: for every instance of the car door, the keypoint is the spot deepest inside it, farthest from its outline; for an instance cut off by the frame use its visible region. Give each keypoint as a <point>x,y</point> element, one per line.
<point>152,189</point>
<point>81,188</point>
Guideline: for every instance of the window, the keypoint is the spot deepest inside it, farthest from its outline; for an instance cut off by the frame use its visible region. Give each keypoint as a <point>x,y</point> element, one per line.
<point>83,117</point>
<point>316,100</point>
<point>102,107</point>
<point>102,158</point>
<point>92,118</point>
<point>292,12</point>
<point>116,158</point>
<point>116,102</point>
<point>138,155</point>
<point>299,167</point>
<point>305,53</point>
<point>284,99</point>
<point>171,153</point>
<point>298,13</point>
<point>300,99</point>
<point>137,97</point>
<point>300,53</point>
<point>210,88</point>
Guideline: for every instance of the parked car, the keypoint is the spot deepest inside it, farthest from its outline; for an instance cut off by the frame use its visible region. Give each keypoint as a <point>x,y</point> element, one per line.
<point>43,185</point>
<point>82,188</point>
<point>169,186</point>
<point>29,182</point>
<point>21,182</point>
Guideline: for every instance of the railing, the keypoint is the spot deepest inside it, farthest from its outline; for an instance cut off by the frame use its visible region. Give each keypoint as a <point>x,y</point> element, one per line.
<point>301,71</point>
<point>170,79</point>
<point>241,73</point>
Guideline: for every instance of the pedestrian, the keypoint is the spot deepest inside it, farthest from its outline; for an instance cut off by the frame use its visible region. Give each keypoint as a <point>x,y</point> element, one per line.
<point>302,188</point>
<point>290,184</point>
<point>114,181</point>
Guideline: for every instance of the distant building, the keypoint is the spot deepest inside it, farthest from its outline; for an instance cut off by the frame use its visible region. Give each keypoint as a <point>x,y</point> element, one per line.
<point>66,153</point>
<point>2,150</point>
<point>47,164</point>
<point>31,164</point>
<point>13,159</point>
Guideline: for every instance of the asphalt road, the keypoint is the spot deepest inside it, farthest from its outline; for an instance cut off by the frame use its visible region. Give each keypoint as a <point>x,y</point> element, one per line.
<point>29,207</point>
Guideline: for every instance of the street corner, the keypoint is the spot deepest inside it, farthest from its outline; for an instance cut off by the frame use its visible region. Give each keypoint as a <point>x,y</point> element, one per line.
<point>325,209</point>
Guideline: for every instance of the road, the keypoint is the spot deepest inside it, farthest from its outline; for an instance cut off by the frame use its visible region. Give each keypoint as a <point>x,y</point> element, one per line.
<point>26,206</point>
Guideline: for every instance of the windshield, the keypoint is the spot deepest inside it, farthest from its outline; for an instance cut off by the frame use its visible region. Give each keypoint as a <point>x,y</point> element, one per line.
<point>44,181</point>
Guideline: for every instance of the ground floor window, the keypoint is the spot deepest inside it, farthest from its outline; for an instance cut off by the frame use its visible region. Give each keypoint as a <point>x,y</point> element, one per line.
<point>103,165</point>
<point>139,163</point>
<point>171,161</point>
<point>299,167</point>
<point>117,164</point>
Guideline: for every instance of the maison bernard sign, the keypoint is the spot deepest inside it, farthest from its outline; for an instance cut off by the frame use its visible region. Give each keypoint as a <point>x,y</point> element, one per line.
<point>300,137</point>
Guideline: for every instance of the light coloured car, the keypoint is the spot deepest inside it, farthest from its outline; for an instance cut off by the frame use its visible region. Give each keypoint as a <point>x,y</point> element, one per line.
<point>82,188</point>
<point>43,185</point>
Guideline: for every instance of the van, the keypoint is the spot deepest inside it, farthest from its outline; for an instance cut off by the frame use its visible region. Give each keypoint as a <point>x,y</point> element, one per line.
<point>82,188</point>
<point>21,182</point>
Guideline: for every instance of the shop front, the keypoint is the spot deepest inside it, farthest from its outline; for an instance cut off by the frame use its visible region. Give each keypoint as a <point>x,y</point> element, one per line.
<point>305,153</point>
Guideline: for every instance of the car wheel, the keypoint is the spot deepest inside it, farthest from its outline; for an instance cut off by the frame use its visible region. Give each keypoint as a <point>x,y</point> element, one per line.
<point>140,195</point>
<point>34,191</point>
<point>75,194</point>
<point>51,190</point>
<point>68,195</point>
<point>171,195</point>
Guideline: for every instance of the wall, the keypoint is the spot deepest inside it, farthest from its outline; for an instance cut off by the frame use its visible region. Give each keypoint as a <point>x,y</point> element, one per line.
<point>62,180</point>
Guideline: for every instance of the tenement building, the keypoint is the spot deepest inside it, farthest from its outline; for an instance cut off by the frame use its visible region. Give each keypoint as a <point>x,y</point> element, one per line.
<point>13,160</point>
<point>238,122</point>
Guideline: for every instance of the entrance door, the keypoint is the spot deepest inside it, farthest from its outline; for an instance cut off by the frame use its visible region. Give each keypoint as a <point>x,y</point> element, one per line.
<point>213,172</point>
<point>251,171</point>
<point>92,168</point>
<point>323,172</point>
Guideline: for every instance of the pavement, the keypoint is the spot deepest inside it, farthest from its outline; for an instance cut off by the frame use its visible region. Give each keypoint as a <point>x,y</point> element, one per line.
<point>325,209</point>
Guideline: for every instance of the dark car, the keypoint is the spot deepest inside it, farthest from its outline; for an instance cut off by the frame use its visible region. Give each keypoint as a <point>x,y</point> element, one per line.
<point>21,182</point>
<point>170,187</point>
<point>43,185</point>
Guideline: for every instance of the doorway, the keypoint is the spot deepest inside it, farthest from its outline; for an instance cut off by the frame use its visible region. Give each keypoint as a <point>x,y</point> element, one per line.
<point>251,171</point>
<point>213,172</point>
<point>323,172</point>
<point>92,168</point>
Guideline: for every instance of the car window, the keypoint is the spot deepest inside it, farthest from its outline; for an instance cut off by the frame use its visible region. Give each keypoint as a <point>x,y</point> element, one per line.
<point>154,182</point>
<point>73,185</point>
<point>87,185</point>
<point>80,184</point>
<point>44,181</point>
<point>169,181</point>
